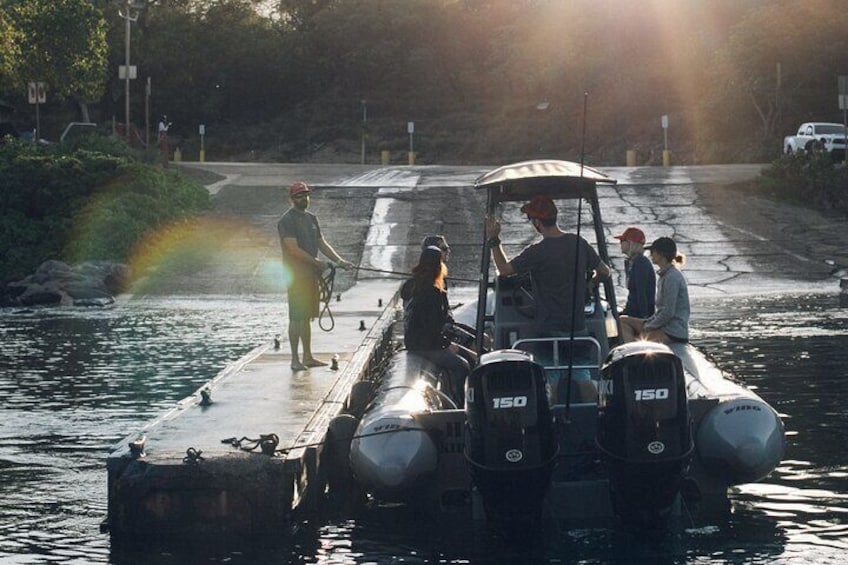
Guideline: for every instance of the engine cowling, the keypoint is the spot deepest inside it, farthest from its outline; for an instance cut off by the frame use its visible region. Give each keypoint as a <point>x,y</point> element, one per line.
<point>510,443</point>
<point>644,430</point>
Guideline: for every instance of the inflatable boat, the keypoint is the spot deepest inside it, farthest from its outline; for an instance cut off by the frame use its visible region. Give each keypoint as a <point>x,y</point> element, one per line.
<point>580,427</point>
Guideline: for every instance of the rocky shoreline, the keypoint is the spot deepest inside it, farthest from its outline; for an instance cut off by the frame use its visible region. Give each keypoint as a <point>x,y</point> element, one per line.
<point>55,283</point>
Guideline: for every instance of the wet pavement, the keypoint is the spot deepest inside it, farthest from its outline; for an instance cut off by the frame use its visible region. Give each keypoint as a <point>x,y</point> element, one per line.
<point>736,242</point>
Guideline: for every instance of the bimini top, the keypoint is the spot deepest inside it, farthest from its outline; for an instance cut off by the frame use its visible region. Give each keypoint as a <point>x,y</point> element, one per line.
<point>557,179</point>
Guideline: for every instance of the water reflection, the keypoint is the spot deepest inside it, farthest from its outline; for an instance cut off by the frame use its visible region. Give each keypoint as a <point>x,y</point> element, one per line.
<point>73,382</point>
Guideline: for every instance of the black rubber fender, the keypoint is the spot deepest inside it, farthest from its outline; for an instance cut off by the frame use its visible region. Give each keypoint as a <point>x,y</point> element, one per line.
<point>336,453</point>
<point>361,394</point>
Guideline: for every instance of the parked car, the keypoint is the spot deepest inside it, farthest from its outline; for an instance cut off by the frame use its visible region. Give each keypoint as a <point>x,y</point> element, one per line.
<point>77,129</point>
<point>830,136</point>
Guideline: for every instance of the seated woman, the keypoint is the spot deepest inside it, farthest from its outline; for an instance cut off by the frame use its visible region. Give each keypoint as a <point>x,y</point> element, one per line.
<point>670,322</point>
<point>426,312</point>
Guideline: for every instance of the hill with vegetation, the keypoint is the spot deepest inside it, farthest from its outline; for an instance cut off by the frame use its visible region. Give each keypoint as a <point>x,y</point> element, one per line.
<point>484,81</point>
<point>91,200</point>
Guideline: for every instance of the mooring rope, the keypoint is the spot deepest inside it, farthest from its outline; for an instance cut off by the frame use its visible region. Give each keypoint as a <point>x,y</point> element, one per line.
<point>325,293</point>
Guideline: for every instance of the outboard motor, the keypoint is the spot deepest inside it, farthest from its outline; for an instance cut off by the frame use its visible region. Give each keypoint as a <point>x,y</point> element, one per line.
<point>644,430</point>
<point>510,442</point>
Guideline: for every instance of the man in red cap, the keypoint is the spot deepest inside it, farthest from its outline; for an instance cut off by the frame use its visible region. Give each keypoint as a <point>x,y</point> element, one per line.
<point>301,240</point>
<point>557,263</point>
<point>639,274</point>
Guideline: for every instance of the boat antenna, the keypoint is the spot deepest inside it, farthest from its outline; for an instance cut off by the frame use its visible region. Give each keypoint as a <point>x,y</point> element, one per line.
<point>574,309</point>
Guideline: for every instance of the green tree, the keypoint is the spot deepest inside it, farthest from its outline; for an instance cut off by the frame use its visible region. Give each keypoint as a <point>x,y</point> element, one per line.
<point>9,45</point>
<point>63,43</point>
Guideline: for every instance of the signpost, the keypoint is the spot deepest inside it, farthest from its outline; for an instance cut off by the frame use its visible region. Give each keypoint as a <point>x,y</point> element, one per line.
<point>666,152</point>
<point>410,128</point>
<point>202,131</point>
<point>843,103</point>
<point>37,94</point>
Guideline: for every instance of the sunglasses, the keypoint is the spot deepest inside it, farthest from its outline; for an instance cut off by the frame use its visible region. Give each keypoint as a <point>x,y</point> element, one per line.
<point>300,196</point>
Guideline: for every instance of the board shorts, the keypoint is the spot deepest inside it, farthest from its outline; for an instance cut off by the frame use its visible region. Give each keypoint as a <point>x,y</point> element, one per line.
<point>303,298</point>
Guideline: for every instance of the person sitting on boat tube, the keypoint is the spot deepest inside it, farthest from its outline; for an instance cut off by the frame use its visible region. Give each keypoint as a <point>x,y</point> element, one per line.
<point>639,274</point>
<point>459,333</point>
<point>426,312</point>
<point>670,322</point>
<point>554,268</point>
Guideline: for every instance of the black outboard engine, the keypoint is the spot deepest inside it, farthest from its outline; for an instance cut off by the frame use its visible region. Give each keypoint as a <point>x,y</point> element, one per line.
<point>644,431</point>
<point>510,442</point>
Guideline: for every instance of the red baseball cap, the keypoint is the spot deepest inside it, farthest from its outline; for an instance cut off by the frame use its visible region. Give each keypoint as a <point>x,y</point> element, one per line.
<point>298,188</point>
<point>632,234</point>
<point>540,207</point>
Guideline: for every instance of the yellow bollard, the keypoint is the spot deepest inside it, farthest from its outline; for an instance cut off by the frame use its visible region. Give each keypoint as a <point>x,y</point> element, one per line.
<point>384,157</point>
<point>631,158</point>
<point>666,157</point>
<point>178,155</point>
<point>411,157</point>
<point>202,155</point>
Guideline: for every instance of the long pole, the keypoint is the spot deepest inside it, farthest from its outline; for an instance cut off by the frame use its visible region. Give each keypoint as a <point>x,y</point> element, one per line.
<point>127,75</point>
<point>364,124</point>
<point>147,114</point>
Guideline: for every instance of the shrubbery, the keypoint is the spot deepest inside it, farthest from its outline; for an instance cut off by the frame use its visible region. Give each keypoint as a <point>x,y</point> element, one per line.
<point>812,180</point>
<point>89,200</point>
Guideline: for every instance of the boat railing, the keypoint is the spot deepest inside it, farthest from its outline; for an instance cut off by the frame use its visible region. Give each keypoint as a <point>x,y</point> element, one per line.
<point>581,355</point>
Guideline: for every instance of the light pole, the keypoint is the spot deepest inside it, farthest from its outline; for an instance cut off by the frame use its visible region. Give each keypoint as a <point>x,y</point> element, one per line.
<point>364,125</point>
<point>129,17</point>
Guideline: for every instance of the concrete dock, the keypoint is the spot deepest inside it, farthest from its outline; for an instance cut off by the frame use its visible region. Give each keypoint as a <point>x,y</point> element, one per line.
<point>229,459</point>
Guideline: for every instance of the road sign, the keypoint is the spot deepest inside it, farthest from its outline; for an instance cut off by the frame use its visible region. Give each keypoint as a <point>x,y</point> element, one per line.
<point>202,129</point>
<point>410,127</point>
<point>122,72</point>
<point>843,101</point>
<point>37,93</point>
<point>665,121</point>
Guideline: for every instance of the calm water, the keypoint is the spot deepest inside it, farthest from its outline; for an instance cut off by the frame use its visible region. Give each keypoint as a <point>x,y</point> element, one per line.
<point>73,382</point>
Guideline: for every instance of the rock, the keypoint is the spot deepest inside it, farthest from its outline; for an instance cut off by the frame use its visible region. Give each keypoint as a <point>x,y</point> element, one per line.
<point>55,283</point>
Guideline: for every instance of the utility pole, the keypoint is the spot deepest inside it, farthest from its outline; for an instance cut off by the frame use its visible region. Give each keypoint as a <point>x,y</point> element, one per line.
<point>147,114</point>
<point>130,14</point>
<point>364,129</point>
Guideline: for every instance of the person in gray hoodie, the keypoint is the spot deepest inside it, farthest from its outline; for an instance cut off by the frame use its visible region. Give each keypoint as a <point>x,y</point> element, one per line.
<point>670,321</point>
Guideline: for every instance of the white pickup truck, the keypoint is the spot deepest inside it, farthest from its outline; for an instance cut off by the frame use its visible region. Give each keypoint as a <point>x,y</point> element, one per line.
<point>831,135</point>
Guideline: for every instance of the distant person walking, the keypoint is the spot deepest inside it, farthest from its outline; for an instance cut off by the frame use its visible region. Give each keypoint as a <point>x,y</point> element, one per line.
<point>301,240</point>
<point>164,150</point>
<point>670,322</point>
<point>639,274</point>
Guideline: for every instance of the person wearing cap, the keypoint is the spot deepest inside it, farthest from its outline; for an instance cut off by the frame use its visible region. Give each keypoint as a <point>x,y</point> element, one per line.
<point>557,263</point>
<point>437,241</point>
<point>458,332</point>
<point>639,274</point>
<point>670,321</point>
<point>426,313</point>
<point>301,240</point>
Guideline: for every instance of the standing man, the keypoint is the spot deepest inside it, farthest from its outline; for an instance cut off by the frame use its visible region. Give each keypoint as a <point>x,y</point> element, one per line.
<point>554,268</point>
<point>301,240</point>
